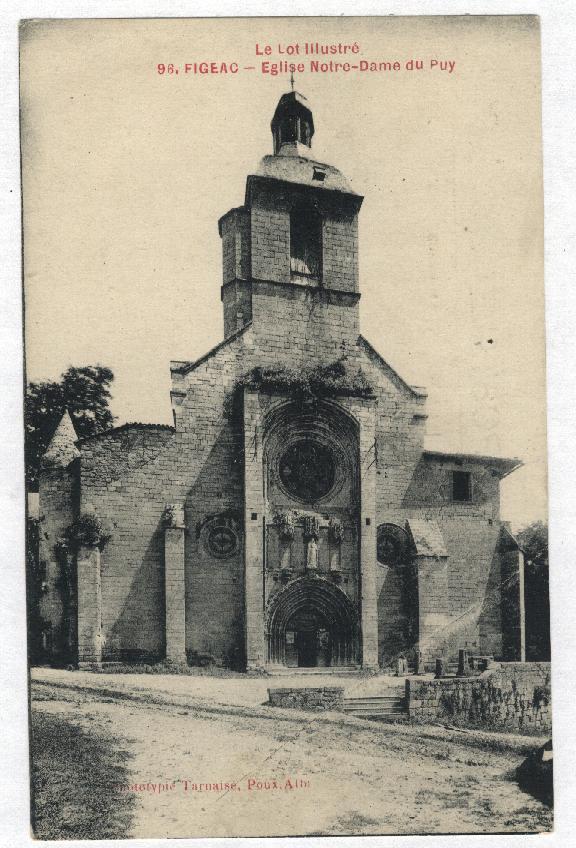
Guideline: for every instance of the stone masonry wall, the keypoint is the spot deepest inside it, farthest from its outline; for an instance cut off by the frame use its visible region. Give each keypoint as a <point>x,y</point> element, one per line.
<point>236,291</point>
<point>58,496</point>
<point>399,431</point>
<point>199,416</point>
<point>236,306</point>
<point>340,252</point>
<point>235,232</point>
<point>126,479</point>
<point>431,486</point>
<point>471,532</point>
<point>294,324</point>
<point>393,615</point>
<point>172,468</point>
<point>515,695</point>
<point>128,475</point>
<point>434,605</point>
<point>270,237</point>
<point>307,698</point>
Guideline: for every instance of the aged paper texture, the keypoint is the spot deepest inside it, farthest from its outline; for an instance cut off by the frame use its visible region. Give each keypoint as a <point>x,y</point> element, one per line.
<point>286,427</point>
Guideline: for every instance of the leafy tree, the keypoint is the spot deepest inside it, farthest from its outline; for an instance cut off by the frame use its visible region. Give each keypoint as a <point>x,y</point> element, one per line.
<point>534,542</point>
<point>34,590</point>
<point>84,392</point>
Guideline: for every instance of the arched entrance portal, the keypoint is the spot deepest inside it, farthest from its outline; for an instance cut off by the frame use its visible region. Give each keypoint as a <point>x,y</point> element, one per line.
<point>312,623</point>
<point>308,641</point>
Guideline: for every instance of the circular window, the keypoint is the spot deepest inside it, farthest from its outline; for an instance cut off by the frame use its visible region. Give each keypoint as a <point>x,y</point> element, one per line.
<point>392,545</point>
<point>222,540</point>
<point>307,470</point>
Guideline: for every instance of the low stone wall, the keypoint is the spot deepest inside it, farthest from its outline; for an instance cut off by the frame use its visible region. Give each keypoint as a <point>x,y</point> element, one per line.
<point>514,695</point>
<point>308,698</point>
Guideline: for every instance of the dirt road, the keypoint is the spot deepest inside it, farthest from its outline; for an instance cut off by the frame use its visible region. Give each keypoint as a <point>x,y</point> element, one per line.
<point>99,765</point>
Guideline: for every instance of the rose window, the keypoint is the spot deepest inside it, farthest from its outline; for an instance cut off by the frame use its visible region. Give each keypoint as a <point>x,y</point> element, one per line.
<point>222,539</point>
<point>392,545</point>
<point>307,470</point>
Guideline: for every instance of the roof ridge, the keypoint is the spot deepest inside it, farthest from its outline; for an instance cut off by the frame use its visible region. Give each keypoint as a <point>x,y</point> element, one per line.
<point>415,390</point>
<point>511,463</point>
<point>185,369</point>
<point>138,424</point>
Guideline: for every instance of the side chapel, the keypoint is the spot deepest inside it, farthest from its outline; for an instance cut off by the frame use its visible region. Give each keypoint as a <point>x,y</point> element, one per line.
<point>291,517</point>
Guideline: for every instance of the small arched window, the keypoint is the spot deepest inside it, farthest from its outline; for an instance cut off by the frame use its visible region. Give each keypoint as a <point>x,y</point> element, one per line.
<point>306,243</point>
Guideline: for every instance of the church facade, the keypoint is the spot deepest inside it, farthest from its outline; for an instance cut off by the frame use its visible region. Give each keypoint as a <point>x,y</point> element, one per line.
<point>291,517</point>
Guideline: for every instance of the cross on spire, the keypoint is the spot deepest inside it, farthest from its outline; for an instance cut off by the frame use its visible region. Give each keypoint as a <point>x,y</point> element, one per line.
<point>292,80</point>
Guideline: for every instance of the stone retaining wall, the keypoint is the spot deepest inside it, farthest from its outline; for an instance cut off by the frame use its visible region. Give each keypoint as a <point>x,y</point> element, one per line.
<point>515,695</point>
<point>308,698</point>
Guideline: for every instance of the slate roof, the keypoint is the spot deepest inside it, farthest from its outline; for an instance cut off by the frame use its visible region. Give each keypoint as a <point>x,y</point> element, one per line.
<point>297,169</point>
<point>131,425</point>
<point>504,465</point>
<point>62,447</point>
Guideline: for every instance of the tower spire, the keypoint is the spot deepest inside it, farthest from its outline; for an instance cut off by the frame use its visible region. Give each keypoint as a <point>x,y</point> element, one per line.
<point>292,124</point>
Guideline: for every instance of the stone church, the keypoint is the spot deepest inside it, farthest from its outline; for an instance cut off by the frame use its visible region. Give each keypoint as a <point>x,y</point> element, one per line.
<point>291,516</point>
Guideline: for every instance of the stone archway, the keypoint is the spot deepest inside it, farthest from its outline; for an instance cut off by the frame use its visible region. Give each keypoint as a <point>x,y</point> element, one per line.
<point>312,623</point>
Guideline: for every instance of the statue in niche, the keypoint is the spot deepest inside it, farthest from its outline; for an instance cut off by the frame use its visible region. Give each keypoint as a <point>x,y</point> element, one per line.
<point>311,536</point>
<point>285,521</point>
<point>336,531</point>
<point>312,555</point>
<point>311,528</point>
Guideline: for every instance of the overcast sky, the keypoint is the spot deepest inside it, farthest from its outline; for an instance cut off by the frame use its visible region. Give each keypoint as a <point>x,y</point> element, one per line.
<point>127,171</point>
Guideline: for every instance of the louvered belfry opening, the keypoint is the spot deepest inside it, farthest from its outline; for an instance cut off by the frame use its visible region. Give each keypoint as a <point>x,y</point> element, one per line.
<point>306,243</point>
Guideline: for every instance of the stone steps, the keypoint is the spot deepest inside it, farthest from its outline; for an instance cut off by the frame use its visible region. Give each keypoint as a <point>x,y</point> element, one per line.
<point>377,705</point>
<point>332,671</point>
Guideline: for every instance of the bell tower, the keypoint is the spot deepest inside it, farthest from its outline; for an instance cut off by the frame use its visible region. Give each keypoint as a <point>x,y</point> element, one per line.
<point>292,126</point>
<point>294,242</point>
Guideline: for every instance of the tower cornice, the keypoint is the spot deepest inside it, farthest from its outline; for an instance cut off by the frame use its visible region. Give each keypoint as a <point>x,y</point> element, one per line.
<point>322,293</point>
<point>302,173</point>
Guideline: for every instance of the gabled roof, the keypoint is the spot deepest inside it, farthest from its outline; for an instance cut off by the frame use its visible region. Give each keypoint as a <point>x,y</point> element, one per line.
<point>131,425</point>
<point>186,367</point>
<point>502,464</point>
<point>417,391</point>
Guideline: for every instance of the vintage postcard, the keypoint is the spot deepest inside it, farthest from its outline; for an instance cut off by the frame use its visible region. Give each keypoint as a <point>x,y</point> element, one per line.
<point>287,567</point>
